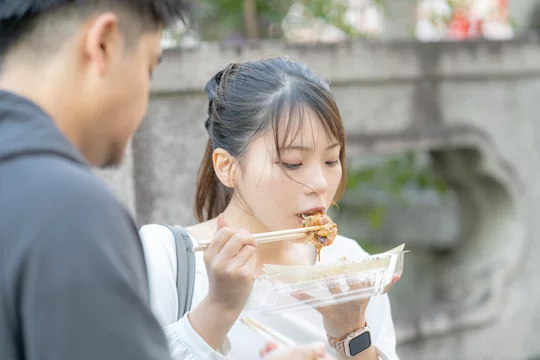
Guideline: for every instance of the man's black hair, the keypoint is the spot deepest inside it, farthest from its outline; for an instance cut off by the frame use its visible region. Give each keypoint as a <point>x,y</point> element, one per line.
<point>22,18</point>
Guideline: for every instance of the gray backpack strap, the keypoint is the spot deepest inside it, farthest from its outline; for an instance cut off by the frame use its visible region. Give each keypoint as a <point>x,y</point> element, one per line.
<point>185,277</point>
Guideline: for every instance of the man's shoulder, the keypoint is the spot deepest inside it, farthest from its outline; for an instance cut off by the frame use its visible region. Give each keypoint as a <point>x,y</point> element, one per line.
<point>58,181</point>
<point>60,212</point>
<point>56,199</point>
<point>79,195</point>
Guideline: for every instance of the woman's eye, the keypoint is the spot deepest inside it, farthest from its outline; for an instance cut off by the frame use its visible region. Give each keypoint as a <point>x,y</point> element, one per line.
<point>290,166</point>
<point>332,163</point>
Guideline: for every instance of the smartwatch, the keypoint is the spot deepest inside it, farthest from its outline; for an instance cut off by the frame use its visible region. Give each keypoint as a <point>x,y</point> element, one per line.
<point>353,343</point>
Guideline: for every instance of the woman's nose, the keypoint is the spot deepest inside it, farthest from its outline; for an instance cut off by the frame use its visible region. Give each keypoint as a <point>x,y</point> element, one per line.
<point>316,181</point>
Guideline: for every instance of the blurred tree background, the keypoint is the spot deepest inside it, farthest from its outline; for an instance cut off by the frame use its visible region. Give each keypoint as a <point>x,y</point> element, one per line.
<point>240,20</point>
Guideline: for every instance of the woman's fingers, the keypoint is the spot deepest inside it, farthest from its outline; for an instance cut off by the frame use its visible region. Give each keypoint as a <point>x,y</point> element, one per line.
<point>270,346</point>
<point>395,279</point>
<point>333,286</point>
<point>314,351</point>
<point>221,222</point>
<point>227,243</point>
<point>357,282</point>
<point>234,244</point>
<point>246,254</point>
<point>219,240</point>
<point>302,296</point>
<point>326,357</point>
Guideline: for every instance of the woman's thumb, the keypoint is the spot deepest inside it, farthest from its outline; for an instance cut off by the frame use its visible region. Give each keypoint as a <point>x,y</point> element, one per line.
<point>221,222</point>
<point>310,351</point>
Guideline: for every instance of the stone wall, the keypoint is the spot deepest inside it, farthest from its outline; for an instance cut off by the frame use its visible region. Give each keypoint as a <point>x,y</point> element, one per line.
<point>473,107</point>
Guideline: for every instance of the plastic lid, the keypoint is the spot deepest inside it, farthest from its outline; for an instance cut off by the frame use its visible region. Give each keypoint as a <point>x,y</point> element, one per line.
<point>324,284</point>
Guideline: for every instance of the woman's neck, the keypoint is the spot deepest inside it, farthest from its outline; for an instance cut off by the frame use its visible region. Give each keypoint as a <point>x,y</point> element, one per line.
<point>238,218</point>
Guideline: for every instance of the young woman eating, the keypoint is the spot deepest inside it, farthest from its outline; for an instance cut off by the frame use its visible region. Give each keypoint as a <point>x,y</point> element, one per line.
<point>276,152</point>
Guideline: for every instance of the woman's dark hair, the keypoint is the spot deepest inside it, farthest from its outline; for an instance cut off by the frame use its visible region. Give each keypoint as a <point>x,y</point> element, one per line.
<point>248,99</point>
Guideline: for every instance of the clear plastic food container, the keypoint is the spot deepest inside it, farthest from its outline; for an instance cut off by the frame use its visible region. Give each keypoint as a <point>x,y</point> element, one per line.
<point>324,284</point>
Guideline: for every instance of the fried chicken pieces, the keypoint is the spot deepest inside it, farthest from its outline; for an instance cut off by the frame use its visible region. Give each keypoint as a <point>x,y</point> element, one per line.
<point>322,237</point>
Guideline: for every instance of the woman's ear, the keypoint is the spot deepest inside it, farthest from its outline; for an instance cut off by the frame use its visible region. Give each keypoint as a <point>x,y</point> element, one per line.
<point>224,166</point>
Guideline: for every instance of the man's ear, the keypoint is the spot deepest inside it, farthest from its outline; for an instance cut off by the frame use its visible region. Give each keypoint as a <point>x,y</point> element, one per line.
<point>103,39</point>
<point>224,166</point>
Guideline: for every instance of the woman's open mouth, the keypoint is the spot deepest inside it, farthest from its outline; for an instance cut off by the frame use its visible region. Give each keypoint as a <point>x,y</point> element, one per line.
<point>308,213</point>
<point>302,216</point>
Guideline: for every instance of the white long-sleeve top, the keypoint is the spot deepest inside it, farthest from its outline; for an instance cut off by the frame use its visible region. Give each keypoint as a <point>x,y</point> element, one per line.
<point>242,342</point>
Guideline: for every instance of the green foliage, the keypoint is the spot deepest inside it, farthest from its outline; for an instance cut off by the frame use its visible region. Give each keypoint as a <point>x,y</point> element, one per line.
<point>332,12</point>
<point>217,20</point>
<point>389,179</point>
<point>394,174</point>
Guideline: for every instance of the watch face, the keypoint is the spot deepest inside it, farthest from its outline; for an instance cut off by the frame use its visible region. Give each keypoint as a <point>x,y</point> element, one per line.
<point>360,343</point>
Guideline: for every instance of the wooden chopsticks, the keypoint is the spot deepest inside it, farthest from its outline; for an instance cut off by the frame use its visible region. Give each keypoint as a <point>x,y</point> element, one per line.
<point>273,236</point>
<point>268,333</point>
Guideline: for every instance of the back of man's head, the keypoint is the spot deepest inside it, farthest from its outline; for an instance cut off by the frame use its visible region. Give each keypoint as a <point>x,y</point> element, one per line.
<point>39,27</point>
<point>87,63</point>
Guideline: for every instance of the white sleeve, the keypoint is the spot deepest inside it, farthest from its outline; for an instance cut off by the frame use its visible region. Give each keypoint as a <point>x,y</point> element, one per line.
<point>160,256</point>
<point>185,343</point>
<point>385,343</point>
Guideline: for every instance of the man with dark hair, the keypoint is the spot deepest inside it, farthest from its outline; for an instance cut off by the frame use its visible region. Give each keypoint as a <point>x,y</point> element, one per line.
<point>85,62</point>
<point>74,79</point>
<point>74,83</point>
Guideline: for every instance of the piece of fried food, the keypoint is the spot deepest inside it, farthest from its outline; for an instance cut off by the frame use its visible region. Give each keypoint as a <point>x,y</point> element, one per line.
<point>322,237</point>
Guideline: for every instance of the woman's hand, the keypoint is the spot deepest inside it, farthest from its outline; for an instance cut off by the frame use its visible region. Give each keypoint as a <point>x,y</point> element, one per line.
<point>314,351</point>
<point>230,262</point>
<point>341,319</point>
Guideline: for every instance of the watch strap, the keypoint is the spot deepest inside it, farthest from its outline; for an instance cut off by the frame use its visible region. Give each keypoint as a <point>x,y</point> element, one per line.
<point>339,344</point>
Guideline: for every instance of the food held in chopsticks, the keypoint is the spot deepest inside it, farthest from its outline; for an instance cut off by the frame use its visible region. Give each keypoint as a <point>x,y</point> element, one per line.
<point>273,236</point>
<point>322,237</point>
<point>318,229</point>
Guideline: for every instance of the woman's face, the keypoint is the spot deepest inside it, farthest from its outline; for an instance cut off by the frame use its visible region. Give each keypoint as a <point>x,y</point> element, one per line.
<point>306,180</point>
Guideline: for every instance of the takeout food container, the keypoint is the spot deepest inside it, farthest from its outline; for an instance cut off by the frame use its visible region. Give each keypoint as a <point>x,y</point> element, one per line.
<point>324,284</point>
